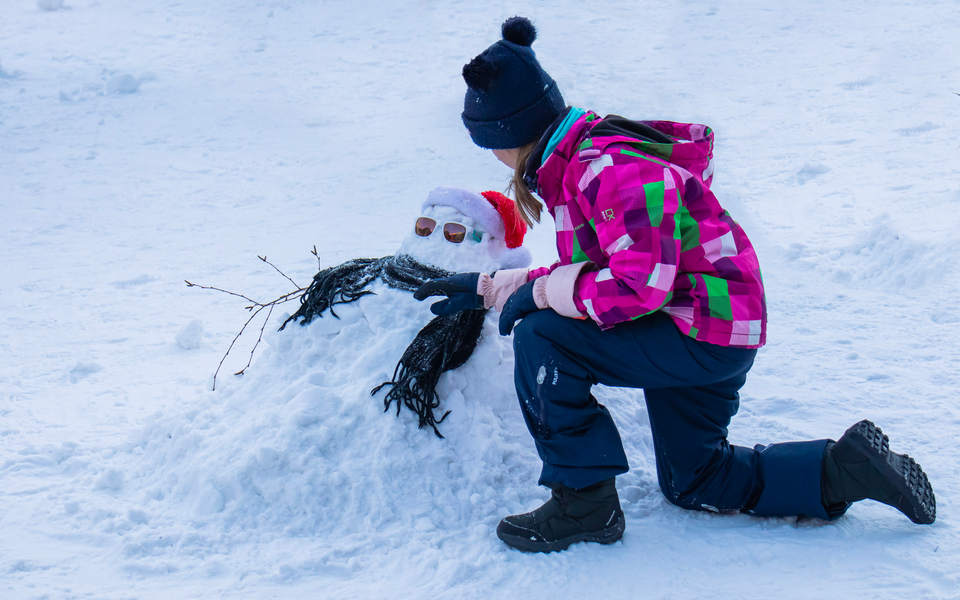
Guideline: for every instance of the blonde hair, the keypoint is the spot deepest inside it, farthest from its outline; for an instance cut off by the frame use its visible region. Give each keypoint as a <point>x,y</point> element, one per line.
<point>528,204</point>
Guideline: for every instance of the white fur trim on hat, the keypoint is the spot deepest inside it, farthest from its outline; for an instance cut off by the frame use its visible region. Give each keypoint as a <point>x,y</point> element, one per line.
<point>472,205</point>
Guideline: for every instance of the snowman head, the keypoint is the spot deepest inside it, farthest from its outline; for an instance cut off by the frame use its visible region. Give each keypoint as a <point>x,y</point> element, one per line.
<point>460,230</point>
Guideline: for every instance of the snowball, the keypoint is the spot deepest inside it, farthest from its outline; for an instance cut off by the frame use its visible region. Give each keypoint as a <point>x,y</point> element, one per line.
<point>50,4</point>
<point>137,516</point>
<point>424,524</point>
<point>209,502</point>
<point>191,334</point>
<point>123,84</point>
<point>112,479</point>
<point>268,459</point>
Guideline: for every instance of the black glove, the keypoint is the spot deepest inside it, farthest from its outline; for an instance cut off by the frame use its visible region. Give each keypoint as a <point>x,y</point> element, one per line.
<point>460,290</point>
<point>519,305</point>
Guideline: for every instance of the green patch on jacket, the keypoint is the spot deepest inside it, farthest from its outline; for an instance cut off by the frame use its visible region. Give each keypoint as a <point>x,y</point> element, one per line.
<point>718,297</point>
<point>577,255</point>
<point>653,193</point>
<point>643,156</point>
<point>689,230</point>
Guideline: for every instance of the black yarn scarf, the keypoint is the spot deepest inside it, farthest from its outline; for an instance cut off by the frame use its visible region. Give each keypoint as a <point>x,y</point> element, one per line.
<point>444,343</point>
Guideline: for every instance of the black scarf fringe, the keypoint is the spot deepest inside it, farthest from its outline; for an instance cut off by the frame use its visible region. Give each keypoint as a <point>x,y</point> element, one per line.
<point>445,343</point>
<point>346,283</point>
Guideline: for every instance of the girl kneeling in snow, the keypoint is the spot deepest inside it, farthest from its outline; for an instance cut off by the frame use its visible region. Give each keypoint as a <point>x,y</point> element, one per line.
<point>658,288</point>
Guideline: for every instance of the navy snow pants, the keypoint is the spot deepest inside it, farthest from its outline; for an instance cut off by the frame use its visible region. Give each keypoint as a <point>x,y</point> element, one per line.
<point>691,390</point>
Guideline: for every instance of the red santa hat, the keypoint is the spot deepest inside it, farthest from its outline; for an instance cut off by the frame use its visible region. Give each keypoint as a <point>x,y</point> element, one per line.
<point>493,213</point>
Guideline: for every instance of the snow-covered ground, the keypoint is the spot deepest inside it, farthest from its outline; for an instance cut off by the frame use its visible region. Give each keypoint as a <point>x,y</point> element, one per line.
<point>145,143</point>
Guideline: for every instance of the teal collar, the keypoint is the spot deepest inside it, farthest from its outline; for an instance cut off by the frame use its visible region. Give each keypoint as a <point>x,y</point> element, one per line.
<point>572,115</point>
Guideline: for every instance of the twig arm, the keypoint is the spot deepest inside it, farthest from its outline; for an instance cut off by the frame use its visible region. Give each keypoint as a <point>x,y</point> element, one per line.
<point>264,259</point>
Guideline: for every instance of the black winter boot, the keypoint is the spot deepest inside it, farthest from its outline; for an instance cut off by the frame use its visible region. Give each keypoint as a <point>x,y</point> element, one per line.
<point>591,514</point>
<point>861,466</point>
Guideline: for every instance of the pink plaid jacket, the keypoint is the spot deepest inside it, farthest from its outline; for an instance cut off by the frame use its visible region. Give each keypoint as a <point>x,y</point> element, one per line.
<point>638,230</point>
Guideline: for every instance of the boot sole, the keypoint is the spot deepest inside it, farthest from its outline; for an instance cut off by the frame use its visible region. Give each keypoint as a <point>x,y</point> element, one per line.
<point>916,498</point>
<point>605,536</point>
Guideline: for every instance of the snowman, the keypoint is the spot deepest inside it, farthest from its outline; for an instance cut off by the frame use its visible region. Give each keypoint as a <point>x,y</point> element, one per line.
<point>295,467</point>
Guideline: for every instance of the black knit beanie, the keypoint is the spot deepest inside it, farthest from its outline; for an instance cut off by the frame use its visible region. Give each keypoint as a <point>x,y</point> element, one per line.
<point>510,99</point>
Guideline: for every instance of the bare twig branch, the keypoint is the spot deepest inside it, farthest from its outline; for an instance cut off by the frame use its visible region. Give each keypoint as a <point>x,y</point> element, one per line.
<point>284,298</point>
<point>254,308</point>
<point>314,252</point>
<point>206,287</point>
<point>229,348</point>
<point>262,327</point>
<point>264,259</point>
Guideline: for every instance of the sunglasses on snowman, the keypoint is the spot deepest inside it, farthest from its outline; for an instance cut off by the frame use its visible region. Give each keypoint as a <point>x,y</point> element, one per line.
<point>453,232</point>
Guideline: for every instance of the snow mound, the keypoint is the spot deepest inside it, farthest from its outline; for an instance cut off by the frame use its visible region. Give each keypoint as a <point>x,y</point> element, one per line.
<point>122,83</point>
<point>110,84</point>
<point>298,448</point>
<point>881,256</point>
<point>82,370</point>
<point>811,171</point>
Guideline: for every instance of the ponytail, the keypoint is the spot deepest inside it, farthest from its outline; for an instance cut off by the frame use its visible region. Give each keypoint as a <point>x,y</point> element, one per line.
<point>528,204</point>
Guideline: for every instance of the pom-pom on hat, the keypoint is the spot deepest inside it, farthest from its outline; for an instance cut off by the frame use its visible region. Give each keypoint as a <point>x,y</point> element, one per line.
<point>493,213</point>
<point>510,99</point>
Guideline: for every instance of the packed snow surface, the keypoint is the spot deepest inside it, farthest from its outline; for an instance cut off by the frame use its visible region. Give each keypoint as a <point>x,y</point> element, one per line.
<point>148,143</point>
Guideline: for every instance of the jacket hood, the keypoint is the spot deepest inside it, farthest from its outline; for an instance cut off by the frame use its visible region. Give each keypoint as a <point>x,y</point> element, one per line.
<point>686,145</point>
